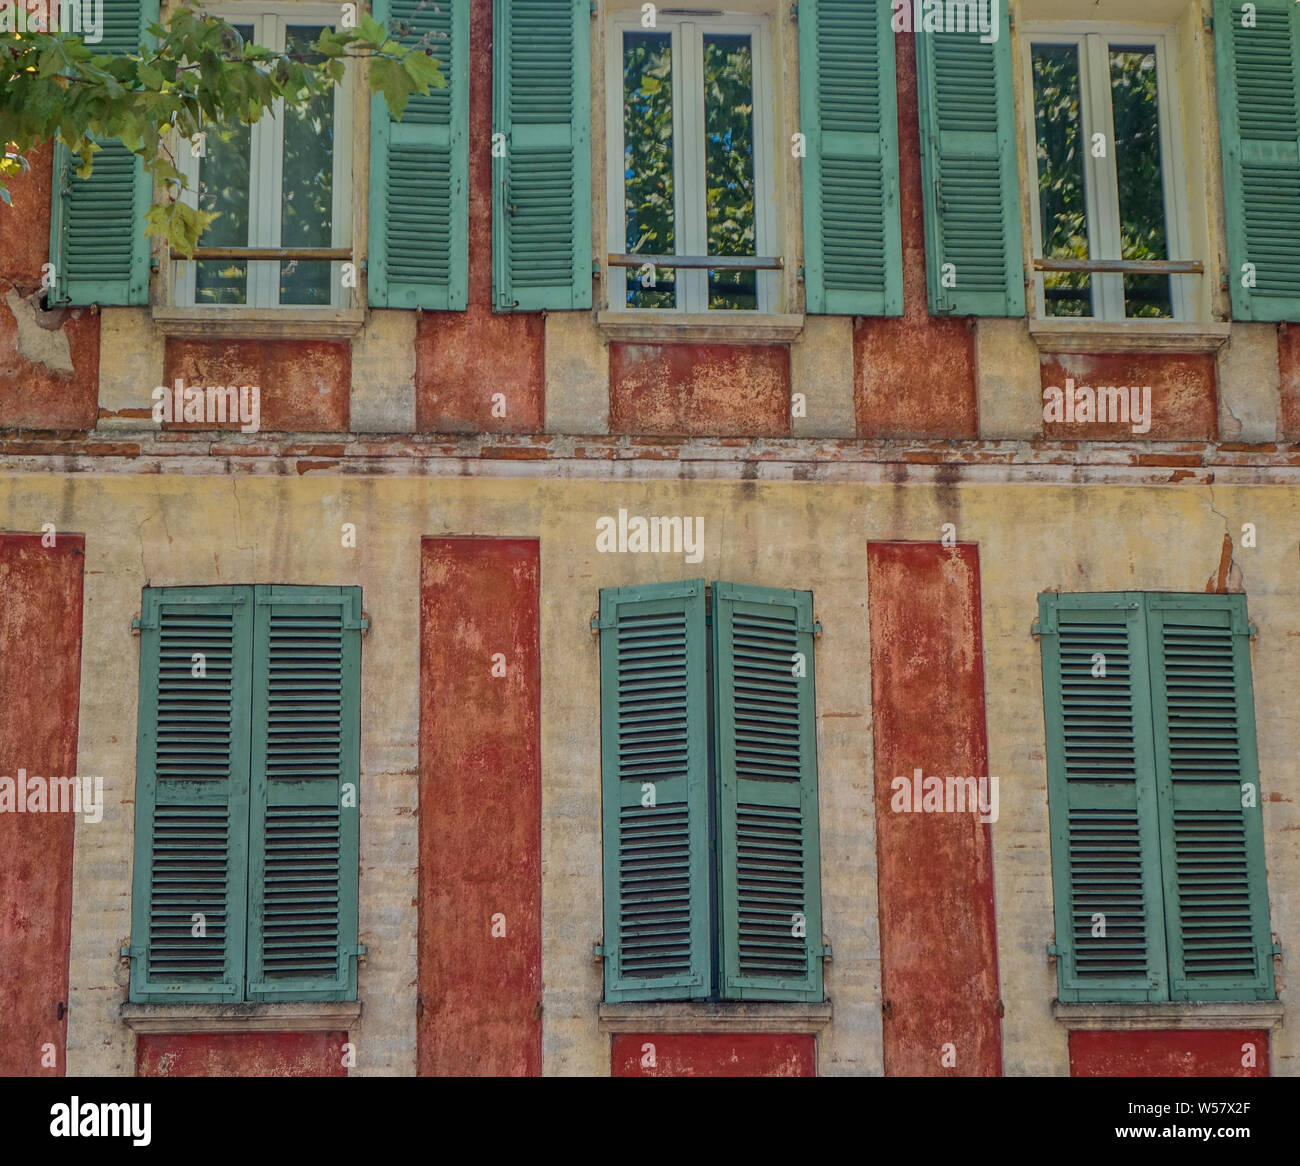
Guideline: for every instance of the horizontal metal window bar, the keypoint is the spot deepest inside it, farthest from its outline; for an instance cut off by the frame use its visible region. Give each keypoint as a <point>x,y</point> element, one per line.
<point>282,253</point>
<point>1124,266</point>
<point>704,262</point>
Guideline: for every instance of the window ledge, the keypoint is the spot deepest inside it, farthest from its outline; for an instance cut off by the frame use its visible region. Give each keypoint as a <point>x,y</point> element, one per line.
<point>722,1016</point>
<point>188,1018</point>
<point>1132,336</point>
<point>261,323</point>
<point>706,328</point>
<point>1216,1014</point>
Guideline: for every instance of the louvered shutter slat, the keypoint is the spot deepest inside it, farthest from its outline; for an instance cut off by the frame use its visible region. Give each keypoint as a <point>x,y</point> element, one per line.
<point>1259,106</point>
<point>765,734</point>
<point>970,178</point>
<point>541,213</point>
<point>188,899</point>
<point>654,733</point>
<point>303,828</point>
<point>853,252</point>
<point>97,242</point>
<point>1215,893</point>
<point>1102,799</point>
<point>419,170</point>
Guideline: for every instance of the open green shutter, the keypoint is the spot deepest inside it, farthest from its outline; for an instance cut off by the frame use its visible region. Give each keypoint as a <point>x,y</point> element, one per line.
<point>765,732</point>
<point>654,792</point>
<point>1216,901</point>
<point>1259,125</point>
<point>969,173</point>
<point>419,171</point>
<point>1101,795</point>
<point>303,833</point>
<point>541,178</point>
<point>98,246</point>
<point>191,815</point>
<point>853,249</point>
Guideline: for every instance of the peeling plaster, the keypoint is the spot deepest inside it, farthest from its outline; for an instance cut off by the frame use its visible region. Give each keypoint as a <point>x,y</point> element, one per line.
<point>40,336</point>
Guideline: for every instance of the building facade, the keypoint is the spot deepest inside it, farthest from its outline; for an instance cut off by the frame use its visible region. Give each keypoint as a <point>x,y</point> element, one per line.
<point>482,647</point>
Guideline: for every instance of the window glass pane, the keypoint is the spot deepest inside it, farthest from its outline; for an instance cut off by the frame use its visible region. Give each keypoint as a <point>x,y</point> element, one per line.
<point>223,188</point>
<point>729,166</point>
<point>1136,101</point>
<point>648,165</point>
<point>1063,208</point>
<point>307,193</point>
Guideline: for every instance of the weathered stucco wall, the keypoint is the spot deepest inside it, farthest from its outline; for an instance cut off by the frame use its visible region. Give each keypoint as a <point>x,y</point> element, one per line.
<point>174,529</point>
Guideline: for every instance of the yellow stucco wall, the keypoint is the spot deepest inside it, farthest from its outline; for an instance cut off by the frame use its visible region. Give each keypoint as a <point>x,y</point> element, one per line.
<point>179,529</point>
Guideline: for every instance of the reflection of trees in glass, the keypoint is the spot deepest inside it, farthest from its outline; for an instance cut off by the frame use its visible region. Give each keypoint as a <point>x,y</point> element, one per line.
<point>1064,214</point>
<point>1136,101</point>
<point>223,187</point>
<point>648,162</point>
<point>307,190</point>
<point>729,166</point>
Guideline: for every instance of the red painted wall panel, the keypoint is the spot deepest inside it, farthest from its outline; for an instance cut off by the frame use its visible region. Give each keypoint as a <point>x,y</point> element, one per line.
<point>722,390</point>
<point>914,376</point>
<point>306,385</point>
<point>241,1054</point>
<point>480,808</point>
<point>1187,1053</point>
<point>40,691</point>
<point>463,358</point>
<point>1184,393</point>
<point>938,937</point>
<point>713,1055</point>
<point>1288,359</point>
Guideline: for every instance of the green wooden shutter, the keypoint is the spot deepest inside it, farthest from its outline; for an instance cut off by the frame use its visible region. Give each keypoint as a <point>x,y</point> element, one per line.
<point>98,246</point>
<point>654,707</point>
<point>303,832</point>
<point>1101,794</point>
<point>191,817</point>
<point>541,183</point>
<point>1259,124</point>
<point>769,876</point>
<point>969,173</point>
<point>419,172</point>
<point>1216,901</point>
<point>853,244</point>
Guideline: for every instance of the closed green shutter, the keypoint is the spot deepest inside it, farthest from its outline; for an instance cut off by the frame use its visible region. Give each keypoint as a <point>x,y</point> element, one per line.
<point>1259,124</point>
<point>541,174</point>
<point>1102,798</point>
<point>969,174</point>
<point>1216,901</point>
<point>419,171</point>
<point>853,250</point>
<point>766,746</point>
<point>303,820</point>
<point>654,791</point>
<point>98,246</point>
<point>191,818</point>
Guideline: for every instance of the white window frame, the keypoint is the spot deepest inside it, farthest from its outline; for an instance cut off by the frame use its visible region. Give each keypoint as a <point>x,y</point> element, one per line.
<point>1101,191</point>
<point>266,145</point>
<point>689,214</point>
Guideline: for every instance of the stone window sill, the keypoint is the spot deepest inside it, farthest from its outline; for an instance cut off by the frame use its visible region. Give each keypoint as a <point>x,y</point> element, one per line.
<point>190,1018</point>
<point>724,1016</point>
<point>1087,336</point>
<point>707,328</point>
<point>1128,1016</point>
<point>260,323</point>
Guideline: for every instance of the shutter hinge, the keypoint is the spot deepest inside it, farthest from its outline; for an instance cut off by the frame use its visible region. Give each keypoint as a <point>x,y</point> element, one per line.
<point>794,11</point>
<point>599,624</point>
<point>140,625</point>
<point>595,269</point>
<point>1054,952</point>
<point>364,265</point>
<point>358,950</point>
<point>826,951</point>
<point>357,625</point>
<point>600,952</point>
<point>595,8</point>
<point>1208,21</point>
<point>1275,950</point>
<point>132,953</point>
<point>801,272</point>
